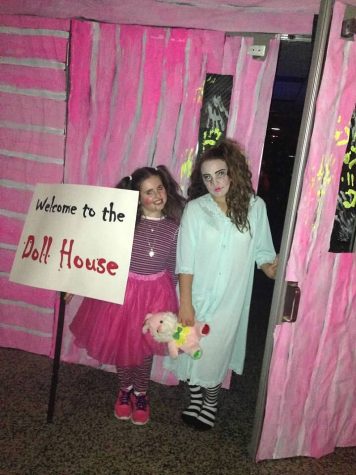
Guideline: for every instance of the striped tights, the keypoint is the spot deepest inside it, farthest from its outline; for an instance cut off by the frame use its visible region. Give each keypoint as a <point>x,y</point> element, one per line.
<point>136,377</point>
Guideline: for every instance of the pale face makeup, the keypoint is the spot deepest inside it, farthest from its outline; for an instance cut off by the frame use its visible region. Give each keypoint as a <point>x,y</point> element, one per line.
<point>215,176</point>
<point>153,197</point>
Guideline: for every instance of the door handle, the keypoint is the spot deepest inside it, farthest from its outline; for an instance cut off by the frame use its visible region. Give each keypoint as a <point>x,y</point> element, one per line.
<point>291,302</point>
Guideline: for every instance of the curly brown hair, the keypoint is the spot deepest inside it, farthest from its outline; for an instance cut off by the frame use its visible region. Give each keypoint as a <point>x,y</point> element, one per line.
<point>240,191</point>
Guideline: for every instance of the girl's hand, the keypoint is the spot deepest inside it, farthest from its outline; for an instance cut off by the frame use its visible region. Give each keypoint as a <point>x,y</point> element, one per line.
<point>270,268</point>
<point>186,315</point>
<point>68,297</point>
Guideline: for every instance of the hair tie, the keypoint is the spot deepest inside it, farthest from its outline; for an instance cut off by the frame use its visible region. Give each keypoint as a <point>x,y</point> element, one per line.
<point>156,169</point>
<point>130,177</point>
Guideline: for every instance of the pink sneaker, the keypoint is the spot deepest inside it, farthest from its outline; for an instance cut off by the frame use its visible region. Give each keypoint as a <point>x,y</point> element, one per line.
<point>123,405</point>
<point>140,409</point>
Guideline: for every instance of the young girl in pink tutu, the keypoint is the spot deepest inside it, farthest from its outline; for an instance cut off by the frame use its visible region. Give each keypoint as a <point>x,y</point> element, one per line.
<point>112,333</point>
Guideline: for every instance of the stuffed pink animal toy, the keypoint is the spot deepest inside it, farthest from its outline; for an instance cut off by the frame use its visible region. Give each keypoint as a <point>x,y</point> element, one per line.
<point>164,328</point>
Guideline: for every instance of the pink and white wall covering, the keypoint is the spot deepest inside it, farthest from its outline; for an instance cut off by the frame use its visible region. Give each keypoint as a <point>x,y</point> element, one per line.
<point>136,95</point>
<point>266,16</point>
<point>311,399</point>
<point>33,54</point>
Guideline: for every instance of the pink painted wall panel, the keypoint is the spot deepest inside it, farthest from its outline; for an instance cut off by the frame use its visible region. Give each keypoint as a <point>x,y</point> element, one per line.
<point>251,92</point>
<point>104,87</point>
<point>32,126</point>
<point>34,22</point>
<point>160,98</point>
<point>205,56</point>
<point>254,80</point>
<point>42,298</point>
<point>32,110</point>
<point>149,92</point>
<point>266,15</point>
<point>15,199</point>
<point>177,96</point>
<point>32,78</point>
<point>122,104</point>
<point>311,400</point>
<point>6,259</point>
<point>79,105</point>
<point>128,102</point>
<point>20,46</point>
<point>30,172</point>
<point>191,102</point>
<point>212,46</point>
<point>41,324</point>
<point>231,52</point>
<point>262,95</point>
<point>17,337</point>
<point>45,145</point>
<point>10,230</point>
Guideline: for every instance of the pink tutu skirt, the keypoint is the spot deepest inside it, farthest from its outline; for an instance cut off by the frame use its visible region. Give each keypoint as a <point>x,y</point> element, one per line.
<point>112,333</point>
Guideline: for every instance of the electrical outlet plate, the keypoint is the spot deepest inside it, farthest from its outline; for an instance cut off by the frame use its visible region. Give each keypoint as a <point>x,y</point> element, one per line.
<point>257,50</point>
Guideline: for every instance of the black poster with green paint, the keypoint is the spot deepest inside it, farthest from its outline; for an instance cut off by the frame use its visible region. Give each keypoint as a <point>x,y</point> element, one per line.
<point>344,230</point>
<point>215,109</point>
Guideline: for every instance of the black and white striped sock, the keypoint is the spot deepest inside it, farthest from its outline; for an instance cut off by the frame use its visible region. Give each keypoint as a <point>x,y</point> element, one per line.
<point>196,401</point>
<point>206,418</point>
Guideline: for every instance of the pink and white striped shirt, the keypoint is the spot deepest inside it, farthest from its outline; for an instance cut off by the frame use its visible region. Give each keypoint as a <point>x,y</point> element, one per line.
<point>154,246</point>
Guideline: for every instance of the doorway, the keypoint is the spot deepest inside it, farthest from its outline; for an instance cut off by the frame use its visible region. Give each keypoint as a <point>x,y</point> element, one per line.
<point>274,183</point>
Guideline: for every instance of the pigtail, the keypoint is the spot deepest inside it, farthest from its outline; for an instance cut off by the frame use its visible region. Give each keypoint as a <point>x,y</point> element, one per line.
<point>125,183</point>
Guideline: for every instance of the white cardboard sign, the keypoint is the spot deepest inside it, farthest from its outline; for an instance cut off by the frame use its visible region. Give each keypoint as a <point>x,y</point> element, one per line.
<point>78,239</point>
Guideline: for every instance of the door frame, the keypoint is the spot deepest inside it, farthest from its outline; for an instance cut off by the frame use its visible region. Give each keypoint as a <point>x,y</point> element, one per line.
<point>301,157</point>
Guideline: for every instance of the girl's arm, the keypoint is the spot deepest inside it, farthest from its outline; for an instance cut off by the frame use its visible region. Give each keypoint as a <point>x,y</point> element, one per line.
<point>186,251</point>
<point>186,314</point>
<point>265,254</point>
<point>270,268</point>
